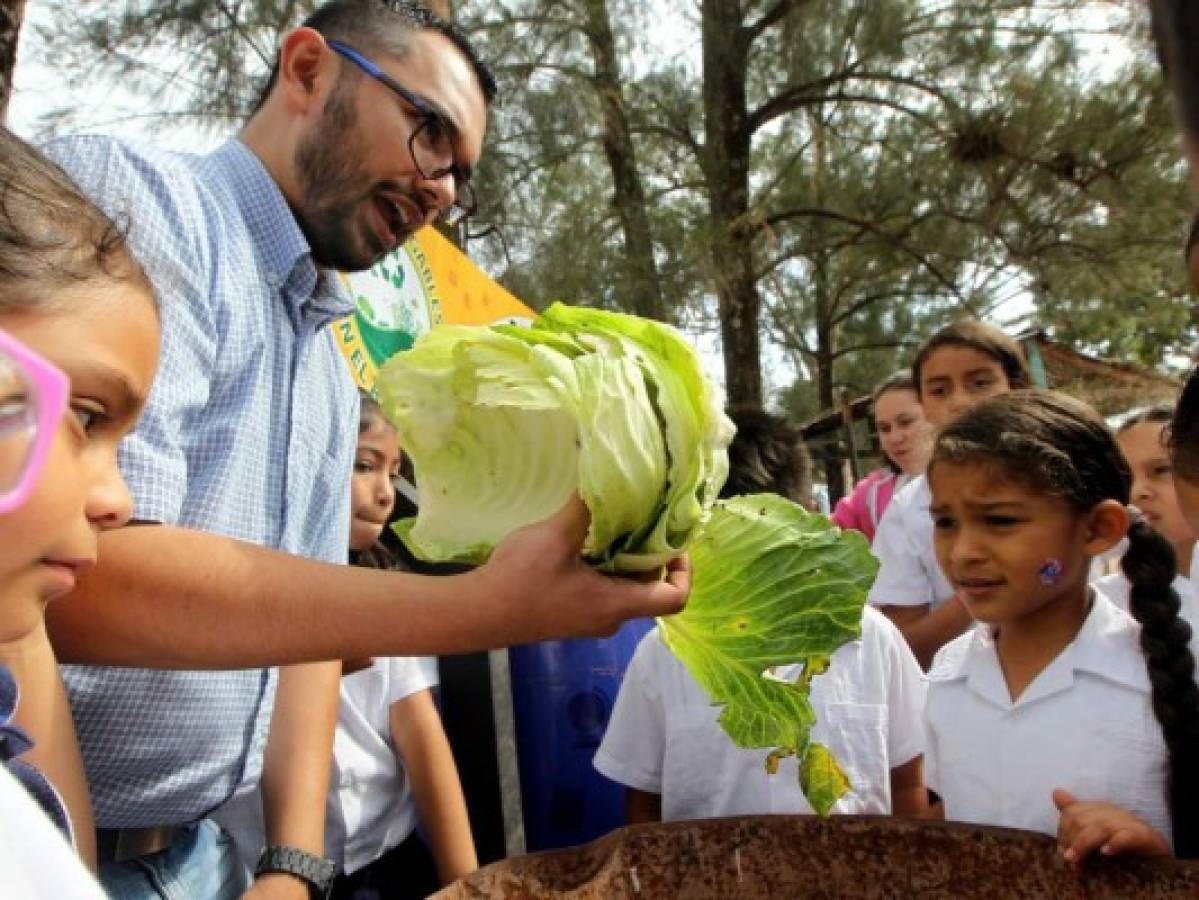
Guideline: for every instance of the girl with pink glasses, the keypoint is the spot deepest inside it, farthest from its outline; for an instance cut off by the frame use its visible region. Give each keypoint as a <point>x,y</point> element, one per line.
<point>79,336</point>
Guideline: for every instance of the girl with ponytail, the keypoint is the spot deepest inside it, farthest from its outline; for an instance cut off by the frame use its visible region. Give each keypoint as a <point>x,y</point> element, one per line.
<point>1058,712</point>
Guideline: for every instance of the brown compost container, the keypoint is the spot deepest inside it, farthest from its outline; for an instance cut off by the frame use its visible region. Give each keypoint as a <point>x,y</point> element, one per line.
<point>771,857</point>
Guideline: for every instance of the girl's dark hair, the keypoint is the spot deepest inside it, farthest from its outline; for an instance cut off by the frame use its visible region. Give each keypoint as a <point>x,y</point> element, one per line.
<point>767,455</point>
<point>52,237</point>
<point>984,338</point>
<point>1058,445</point>
<point>1176,37</point>
<point>369,411</point>
<point>1183,439</point>
<point>896,381</point>
<point>1156,415</point>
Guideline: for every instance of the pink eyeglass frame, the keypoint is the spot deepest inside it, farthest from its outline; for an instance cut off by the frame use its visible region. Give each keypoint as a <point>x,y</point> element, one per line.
<point>52,387</point>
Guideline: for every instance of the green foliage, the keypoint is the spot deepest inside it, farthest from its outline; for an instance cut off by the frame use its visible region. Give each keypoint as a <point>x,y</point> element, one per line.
<point>908,161</point>
<point>773,585</point>
<point>192,60</point>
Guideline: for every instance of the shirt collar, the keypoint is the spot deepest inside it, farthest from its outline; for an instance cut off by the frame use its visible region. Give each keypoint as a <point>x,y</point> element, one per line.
<point>1105,647</point>
<point>276,234</point>
<point>1108,646</point>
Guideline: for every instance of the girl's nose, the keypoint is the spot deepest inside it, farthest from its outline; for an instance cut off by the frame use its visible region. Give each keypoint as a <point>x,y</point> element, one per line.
<point>384,491</point>
<point>109,503</point>
<point>966,548</point>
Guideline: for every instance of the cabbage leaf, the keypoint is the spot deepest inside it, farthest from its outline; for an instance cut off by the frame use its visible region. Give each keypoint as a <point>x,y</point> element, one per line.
<point>773,585</point>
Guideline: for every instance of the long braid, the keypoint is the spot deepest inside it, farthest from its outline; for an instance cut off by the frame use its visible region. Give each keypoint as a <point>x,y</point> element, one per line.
<point>1165,640</point>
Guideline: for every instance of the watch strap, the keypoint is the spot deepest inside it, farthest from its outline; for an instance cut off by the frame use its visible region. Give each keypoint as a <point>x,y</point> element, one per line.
<point>317,871</point>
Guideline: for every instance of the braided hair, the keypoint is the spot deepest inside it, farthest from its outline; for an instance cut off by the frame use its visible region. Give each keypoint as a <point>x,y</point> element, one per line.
<point>1060,446</point>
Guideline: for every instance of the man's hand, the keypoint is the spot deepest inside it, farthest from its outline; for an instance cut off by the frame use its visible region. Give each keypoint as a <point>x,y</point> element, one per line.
<point>538,574</point>
<point>1086,827</point>
<point>277,886</point>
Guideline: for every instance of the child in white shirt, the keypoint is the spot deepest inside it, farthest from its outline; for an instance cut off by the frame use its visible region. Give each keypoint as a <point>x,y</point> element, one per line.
<point>1142,440</point>
<point>961,365</point>
<point>1058,704</point>
<point>664,740</point>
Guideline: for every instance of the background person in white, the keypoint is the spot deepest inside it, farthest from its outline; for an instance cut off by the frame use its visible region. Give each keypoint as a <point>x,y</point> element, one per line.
<point>961,365</point>
<point>1142,439</point>
<point>664,741</point>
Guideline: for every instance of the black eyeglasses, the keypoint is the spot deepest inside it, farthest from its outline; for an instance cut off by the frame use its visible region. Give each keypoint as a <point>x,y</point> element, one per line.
<point>430,141</point>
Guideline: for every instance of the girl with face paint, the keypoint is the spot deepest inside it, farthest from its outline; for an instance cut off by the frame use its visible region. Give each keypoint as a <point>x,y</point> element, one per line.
<point>1058,711</point>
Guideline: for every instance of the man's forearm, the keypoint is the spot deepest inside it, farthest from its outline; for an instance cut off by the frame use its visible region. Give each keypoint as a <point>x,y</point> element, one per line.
<point>165,597</point>
<point>299,753</point>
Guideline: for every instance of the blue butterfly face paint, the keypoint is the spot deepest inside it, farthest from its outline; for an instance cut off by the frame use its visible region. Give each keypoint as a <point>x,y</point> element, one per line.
<point>1050,573</point>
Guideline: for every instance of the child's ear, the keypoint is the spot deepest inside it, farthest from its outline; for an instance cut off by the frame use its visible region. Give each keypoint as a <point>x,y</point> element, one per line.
<point>1106,525</point>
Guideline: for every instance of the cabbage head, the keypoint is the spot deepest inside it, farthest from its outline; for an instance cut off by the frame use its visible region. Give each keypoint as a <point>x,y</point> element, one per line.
<point>504,423</point>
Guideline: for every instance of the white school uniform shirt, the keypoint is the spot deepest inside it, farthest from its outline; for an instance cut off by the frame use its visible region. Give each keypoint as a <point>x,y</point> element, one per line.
<point>1117,587</point>
<point>36,862</point>
<point>369,808</point>
<point>908,573</point>
<point>664,736</point>
<point>1085,724</point>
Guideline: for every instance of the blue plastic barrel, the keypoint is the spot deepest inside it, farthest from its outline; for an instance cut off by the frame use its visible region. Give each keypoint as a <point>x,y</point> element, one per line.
<point>562,696</point>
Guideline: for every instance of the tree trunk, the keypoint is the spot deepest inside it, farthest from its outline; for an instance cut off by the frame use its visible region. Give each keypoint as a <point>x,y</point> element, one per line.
<point>645,286</point>
<point>11,14</point>
<point>726,161</point>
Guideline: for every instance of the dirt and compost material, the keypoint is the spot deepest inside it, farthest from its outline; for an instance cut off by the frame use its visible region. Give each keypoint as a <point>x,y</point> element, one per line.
<point>859,857</point>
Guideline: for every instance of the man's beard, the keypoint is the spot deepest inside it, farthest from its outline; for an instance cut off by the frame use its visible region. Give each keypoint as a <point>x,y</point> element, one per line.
<point>329,163</point>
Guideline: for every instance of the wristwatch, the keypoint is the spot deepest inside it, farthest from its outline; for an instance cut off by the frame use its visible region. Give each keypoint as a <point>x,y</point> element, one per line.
<point>317,872</point>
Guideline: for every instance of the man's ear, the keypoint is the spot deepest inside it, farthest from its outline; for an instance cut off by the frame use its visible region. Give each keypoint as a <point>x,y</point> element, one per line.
<point>307,70</point>
<point>1107,523</point>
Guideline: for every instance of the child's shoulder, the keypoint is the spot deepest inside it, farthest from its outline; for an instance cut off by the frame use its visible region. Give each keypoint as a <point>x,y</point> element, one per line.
<point>915,493</point>
<point>652,657</point>
<point>953,660</point>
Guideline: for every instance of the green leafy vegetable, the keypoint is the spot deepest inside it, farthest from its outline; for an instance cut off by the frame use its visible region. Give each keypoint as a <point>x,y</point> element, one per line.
<point>503,424</point>
<point>773,585</point>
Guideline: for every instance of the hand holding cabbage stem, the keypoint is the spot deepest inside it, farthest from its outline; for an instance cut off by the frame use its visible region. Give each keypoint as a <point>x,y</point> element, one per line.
<point>538,573</point>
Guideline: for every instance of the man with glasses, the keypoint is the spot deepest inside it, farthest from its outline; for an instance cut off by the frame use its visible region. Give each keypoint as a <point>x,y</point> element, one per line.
<point>368,130</point>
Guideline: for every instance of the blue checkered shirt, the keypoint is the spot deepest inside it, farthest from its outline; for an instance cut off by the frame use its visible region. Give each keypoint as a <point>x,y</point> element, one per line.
<point>249,432</point>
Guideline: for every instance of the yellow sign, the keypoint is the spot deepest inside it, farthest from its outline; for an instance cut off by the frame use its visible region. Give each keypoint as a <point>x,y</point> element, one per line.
<point>423,283</point>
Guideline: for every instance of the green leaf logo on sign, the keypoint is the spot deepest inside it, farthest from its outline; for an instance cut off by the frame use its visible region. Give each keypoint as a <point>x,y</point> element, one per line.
<point>395,302</point>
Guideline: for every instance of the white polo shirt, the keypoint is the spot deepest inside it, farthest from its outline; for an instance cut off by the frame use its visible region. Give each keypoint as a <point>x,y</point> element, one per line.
<point>664,736</point>
<point>36,862</point>
<point>369,808</point>
<point>1117,588</point>
<point>1085,724</point>
<point>908,573</point>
